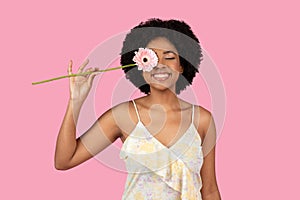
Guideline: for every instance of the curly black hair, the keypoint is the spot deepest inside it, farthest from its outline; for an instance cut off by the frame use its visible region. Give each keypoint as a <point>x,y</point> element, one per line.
<point>179,34</point>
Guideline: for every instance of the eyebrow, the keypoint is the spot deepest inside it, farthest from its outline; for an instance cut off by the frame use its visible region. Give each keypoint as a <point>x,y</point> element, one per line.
<point>166,52</point>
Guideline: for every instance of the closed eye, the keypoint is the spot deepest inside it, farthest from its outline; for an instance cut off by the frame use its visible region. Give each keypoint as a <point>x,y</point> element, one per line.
<point>170,58</point>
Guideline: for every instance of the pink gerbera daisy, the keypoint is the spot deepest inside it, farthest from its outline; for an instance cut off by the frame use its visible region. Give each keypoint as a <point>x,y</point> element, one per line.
<point>146,59</point>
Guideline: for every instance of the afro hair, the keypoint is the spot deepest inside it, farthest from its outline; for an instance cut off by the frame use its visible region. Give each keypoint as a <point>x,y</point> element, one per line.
<point>179,34</point>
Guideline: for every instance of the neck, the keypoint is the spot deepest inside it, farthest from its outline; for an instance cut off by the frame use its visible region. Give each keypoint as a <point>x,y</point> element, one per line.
<point>166,98</point>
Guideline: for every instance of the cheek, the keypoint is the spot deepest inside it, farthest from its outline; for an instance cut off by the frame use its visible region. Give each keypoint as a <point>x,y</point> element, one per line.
<point>175,76</point>
<point>147,76</point>
<point>175,66</point>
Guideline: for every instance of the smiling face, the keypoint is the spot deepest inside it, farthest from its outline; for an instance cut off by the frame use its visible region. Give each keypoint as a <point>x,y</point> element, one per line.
<point>166,73</point>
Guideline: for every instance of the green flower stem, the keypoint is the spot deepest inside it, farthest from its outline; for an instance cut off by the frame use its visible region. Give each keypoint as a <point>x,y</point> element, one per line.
<point>82,74</point>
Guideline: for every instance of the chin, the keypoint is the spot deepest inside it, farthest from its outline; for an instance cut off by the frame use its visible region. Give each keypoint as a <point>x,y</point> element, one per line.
<point>160,87</point>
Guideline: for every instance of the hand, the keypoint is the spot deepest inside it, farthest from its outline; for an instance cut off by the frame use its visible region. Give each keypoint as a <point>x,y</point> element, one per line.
<point>80,86</point>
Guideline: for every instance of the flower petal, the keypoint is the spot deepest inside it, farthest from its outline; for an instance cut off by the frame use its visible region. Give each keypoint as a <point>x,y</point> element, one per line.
<point>146,59</point>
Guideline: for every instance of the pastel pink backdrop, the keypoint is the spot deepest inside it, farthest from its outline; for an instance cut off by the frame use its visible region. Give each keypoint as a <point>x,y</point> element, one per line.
<point>254,44</point>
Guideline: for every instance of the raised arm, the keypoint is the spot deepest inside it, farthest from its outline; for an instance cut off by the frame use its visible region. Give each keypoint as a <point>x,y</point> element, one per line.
<point>71,151</point>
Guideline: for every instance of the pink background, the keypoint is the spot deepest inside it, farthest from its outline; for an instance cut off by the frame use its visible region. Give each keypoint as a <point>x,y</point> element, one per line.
<point>254,44</point>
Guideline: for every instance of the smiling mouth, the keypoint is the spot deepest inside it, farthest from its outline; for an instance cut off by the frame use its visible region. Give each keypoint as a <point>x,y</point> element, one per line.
<point>161,76</point>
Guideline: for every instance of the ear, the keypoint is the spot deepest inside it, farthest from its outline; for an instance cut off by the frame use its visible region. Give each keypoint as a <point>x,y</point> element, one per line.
<point>181,69</point>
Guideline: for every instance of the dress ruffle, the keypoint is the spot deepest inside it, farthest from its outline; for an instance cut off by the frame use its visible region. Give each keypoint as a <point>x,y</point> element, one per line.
<point>180,178</point>
<point>172,171</point>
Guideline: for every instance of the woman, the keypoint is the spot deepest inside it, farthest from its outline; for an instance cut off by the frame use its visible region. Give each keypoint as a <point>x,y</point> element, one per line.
<point>168,148</point>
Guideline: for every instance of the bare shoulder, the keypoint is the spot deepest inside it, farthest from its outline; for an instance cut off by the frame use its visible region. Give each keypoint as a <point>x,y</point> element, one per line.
<point>124,116</point>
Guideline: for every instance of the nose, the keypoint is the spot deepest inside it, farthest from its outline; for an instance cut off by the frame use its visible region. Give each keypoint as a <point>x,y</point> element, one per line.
<point>160,66</point>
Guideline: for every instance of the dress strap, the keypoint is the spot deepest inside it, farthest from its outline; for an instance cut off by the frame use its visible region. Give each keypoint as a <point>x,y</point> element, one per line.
<point>137,113</point>
<point>193,112</point>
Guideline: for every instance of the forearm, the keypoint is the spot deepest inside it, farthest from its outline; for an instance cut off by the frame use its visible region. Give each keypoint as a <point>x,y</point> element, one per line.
<point>66,140</point>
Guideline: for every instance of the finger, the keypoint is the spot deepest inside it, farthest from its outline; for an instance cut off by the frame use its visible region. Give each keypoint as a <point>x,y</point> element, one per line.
<point>70,67</point>
<point>92,70</point>
<point>92,76</point>
<point>88,71</point>
<point>83,65</point>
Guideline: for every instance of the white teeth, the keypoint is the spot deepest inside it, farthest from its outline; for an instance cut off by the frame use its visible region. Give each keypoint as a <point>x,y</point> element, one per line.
<point>161,75</point>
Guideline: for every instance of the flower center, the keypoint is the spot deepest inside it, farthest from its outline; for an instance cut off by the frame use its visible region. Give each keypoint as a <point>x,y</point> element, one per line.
<point>145,59</point>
